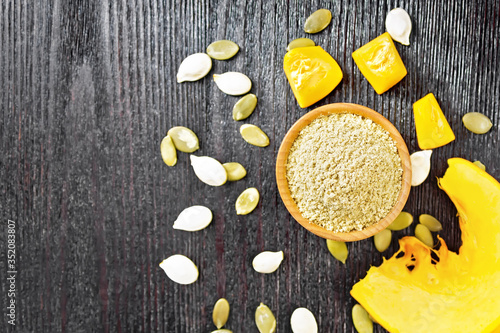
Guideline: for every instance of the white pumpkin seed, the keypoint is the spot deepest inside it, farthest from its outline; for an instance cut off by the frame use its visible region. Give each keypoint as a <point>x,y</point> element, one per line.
<point>420,166</point>
<point>244,107</point>
<point>264,319</point>
<point>223,330</point>
<point>361,319</point>
<point>194,67</point>
<point>180,269</point>
<point>247,201</point>
<point>209,170</point>
<point>338,250</point>
<point>267,262</point>
<point>222,49</point>
<point>193,218</point>
<point>184,139</point>
<point>233,83</point>
<point>221,313</point>
<point>168,151</point>
<point>430,222</point>
<point>303,321</point>
<point>254,135</point>
<point>424,235</point>
<point>402,221</point>
<point>398,25</point>
<point>235,171</point>
<point>477,122</point>
<point>382,240</point>
<point>318,21</point>
<point>300,42</point>
<point>480,165</point>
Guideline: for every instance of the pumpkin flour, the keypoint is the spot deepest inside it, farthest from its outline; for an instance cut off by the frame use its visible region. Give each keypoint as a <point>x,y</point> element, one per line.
<point>344,172</point>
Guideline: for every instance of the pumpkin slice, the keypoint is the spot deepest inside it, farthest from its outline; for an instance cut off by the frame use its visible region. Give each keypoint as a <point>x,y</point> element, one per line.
<point>312,73</point>
<point>428,290</point>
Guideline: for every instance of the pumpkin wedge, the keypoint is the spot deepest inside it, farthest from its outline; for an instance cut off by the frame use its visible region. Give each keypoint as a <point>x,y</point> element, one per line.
<point>428,290</point>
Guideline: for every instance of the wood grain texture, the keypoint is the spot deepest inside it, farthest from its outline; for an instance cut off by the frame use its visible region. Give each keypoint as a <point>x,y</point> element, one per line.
<point>88,91</point>
<point>281,170</point>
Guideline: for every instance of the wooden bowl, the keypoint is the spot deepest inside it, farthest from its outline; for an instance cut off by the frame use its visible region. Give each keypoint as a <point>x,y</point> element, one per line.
<point>283,184</point>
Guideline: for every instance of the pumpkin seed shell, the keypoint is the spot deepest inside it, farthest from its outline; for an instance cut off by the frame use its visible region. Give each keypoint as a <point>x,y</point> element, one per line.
<point>318,21</point>
<point>222,49</point>
<point>254,135</point>
<point>477,122</point>
<point>300,42</point>
<point>361,319</point>
<point>184,139</point>
<point>193,218</point>
<point>338,250</point>
<point>233,83</point>
<point>402,221</point>
<point>303,321</point>
<point>430,222</point>
<point>168,151</point>
<point>382,240</point>
<point>264,319</point>
<point>221,313</point>
<point>247,201</point>
<point>244,107</point>
<point>180,269</point>
<point>420,166</point>
<point>235,171</point>
<point>267,262</point>
<point>480,165</point>
<point>209,170</point>
<point>424,235</point>
<point>398,25</point>
<point>223,330</point>
<point>194,67</point>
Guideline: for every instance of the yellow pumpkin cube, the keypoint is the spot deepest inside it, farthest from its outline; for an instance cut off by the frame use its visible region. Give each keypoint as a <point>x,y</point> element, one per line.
<point>380,63</point>
<point>432,127</point>
<point>312,73</point>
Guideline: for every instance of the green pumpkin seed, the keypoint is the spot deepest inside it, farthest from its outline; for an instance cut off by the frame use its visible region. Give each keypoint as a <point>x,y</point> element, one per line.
<point>244,107</point>
<point>264,319</point>
<point>254,135</point>
<point>401,222</point>
<point>318,21</point>
<point>424,235</point>
<point>168,151</point>
<point>430,222</point>
<point>224,330</point>
<point>480,165</point>
<point>300,42</point>
<point>222,49</point>
<point>221,313</point>
<point>247,201</point>
<point>184,139</point>
<point>235,171</point>
<point>338,250</point>
<point>361,319</point>
<point>382,240</point>
<point>477,122</point>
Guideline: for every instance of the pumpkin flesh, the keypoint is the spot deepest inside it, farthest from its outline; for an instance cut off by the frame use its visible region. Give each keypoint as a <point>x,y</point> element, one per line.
<point>428,290</point>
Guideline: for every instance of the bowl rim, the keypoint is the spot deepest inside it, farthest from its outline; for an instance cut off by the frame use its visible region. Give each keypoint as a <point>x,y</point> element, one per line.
<point>282,182</point>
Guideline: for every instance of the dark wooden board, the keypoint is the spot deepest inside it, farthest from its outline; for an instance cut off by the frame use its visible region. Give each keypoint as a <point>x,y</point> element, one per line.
<point>87,92</point>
